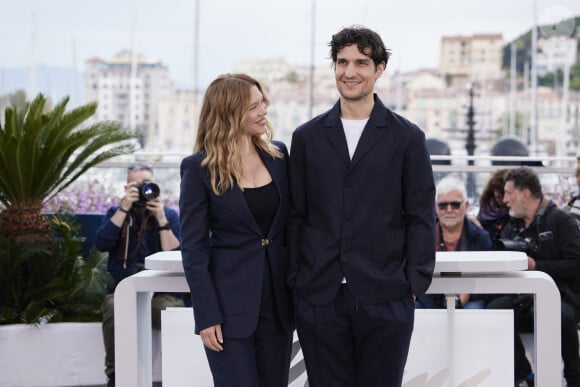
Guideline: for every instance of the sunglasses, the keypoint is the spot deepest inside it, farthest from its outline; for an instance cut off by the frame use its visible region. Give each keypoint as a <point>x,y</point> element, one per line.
<point>454,205</point>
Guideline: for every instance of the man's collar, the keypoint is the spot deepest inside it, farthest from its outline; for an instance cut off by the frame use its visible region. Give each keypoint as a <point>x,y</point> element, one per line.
<point>542,206</point>
<point>540,209</point>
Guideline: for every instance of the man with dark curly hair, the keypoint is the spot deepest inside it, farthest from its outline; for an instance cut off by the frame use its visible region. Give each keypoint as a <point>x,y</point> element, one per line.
<point>361,227</point>
<point>552,243</point>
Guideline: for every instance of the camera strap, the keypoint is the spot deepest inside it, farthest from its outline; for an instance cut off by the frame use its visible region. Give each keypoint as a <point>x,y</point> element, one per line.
<point>140,232</point>
<point>126,235</point>
<point>540,213</point>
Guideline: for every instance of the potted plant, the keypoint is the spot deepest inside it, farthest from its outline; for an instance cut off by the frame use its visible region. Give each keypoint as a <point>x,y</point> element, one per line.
<point>43,275</point>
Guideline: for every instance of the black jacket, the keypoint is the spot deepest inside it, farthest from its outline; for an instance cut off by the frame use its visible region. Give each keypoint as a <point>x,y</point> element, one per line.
<point>554,239</point>
<point>224,250</point>
<point>370,219</point>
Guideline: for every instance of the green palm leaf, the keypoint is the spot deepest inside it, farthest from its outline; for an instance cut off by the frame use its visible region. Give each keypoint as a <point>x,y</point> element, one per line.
<point>51,281</point>
<point>43,276</point>
<point>42,153</point>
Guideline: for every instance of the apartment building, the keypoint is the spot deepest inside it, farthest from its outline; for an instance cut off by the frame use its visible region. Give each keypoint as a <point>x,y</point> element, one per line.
<point>474,57</point>
<point>556,52</point>
<point>128,88</point>
<point>138,93</point>
<point>288,89</point>
<point>442,114</point>
<point>177,122</point>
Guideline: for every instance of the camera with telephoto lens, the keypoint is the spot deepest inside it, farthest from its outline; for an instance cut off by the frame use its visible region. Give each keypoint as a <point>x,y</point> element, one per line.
<point>526,245</point>
<point>147,191</point>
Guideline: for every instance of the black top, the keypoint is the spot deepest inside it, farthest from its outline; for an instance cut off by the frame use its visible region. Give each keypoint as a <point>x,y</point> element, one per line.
<point>263,203</point>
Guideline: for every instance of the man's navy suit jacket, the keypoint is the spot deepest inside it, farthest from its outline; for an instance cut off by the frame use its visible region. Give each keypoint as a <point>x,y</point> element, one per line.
<point>224,251</point>
<point>370,219</point>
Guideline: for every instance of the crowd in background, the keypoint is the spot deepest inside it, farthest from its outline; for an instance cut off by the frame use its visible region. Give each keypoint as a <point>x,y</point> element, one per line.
<point>514,214</point>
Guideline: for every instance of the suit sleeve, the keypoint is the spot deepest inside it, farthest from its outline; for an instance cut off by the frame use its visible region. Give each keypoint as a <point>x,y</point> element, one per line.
<point>419,212</point>
<point>108,234</point>
<point>195,244</point>
<point>297,213</point>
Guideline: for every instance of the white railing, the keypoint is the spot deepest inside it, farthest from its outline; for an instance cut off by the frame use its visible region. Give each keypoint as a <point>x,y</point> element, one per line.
<point>556,173</point>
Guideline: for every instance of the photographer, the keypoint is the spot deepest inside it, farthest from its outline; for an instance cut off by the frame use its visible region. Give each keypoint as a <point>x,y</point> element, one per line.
<point>138,227</point>
<point>573,206</point>
<point>551,240</point>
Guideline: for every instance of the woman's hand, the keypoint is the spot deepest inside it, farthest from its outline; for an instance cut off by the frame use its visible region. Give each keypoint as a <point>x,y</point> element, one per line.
<point>212,337</point>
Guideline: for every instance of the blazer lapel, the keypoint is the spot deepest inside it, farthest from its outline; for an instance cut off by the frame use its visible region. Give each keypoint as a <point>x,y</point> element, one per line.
<point>335,133</point>
<point>234,197</point>
<point>372,132</point>
<point>234,200</point>
<point>275,167</point>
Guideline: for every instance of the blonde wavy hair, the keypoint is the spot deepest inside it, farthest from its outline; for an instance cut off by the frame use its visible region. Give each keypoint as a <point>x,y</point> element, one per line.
<point>223,111</point>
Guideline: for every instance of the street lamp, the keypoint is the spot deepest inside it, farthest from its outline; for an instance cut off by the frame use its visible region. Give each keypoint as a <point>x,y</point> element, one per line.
<point>470,141</point>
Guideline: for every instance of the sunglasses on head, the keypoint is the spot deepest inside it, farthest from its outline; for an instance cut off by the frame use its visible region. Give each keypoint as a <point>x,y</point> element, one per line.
<point>443,205</point>
<point>140,167</point>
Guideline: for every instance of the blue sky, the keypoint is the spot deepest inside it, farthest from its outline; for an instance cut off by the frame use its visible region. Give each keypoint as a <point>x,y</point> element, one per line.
<point>70,31</point>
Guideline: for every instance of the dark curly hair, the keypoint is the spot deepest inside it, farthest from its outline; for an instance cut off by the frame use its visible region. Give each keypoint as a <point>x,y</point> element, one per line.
<point>495,184</point>
<point>364,38</point>
<point>523,178</point>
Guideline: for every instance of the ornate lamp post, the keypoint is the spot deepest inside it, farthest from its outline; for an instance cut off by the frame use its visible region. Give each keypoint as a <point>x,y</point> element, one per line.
<point>470,141</point>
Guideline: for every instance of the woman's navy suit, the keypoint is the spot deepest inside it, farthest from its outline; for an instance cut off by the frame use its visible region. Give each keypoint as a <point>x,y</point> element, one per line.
<point>224,256</point>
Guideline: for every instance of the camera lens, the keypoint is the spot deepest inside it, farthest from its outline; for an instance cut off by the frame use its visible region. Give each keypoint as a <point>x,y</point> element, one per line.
<point>147,191</point>
<point>512,245</point>
<point>150,191</point>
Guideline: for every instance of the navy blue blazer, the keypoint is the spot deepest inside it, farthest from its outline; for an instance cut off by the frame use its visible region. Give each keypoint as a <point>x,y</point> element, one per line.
<point>369,219</point>
<point>224,252</point>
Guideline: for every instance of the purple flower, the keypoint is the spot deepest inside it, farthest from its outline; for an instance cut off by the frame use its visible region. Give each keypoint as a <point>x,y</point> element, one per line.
<point>91,198</point>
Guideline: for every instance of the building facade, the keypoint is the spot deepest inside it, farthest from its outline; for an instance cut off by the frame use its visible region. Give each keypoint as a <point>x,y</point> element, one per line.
<point>555,53</point>
<point>472,57</point>
<point>139,94</point>
<point>128,88</point>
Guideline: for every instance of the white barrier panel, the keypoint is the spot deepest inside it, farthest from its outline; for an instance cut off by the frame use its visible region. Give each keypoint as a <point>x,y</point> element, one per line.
<point>56,354</point>
<point>183,362</point>
<point>467,348</point>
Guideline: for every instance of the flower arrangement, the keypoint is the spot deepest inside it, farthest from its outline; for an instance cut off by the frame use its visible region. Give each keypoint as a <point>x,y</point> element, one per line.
<point>92,197</point>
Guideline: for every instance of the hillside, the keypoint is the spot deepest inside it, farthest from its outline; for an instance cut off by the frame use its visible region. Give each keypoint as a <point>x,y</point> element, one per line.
<point>524,47</point>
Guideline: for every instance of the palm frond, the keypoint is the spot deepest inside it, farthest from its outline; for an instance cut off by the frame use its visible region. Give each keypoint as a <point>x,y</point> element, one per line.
<point>51,281</point>
<point>37,312</point>
<point>42,153</point>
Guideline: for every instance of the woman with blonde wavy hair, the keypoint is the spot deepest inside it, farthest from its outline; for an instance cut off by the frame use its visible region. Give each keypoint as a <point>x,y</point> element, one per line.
<point>233,209</point>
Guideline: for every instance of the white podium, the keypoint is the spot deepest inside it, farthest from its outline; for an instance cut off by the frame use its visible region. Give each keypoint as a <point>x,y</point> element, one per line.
<point>489,272</point>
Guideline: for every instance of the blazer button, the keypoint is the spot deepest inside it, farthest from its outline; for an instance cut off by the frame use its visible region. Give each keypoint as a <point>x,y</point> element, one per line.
<point>265,242</point>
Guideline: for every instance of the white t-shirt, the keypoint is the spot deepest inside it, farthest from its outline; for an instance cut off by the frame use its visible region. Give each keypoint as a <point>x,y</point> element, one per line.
<point>353,130</point>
